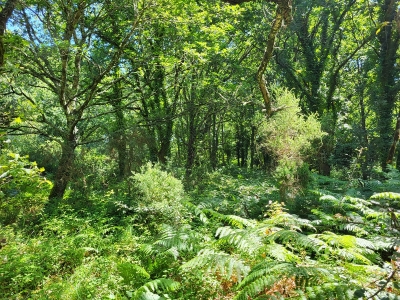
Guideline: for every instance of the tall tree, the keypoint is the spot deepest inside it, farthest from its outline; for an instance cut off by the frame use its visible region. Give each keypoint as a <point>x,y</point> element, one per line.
<point>323,42</point>
<point>387,88</point>
<point>5,14</point>
<point>68,76</point>
<point>283,17</point>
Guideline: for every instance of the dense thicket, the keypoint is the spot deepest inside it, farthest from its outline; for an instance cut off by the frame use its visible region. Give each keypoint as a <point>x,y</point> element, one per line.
<point>181,142</point>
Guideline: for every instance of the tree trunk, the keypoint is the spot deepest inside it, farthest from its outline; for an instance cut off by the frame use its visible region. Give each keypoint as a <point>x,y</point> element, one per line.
<point>5,15</point>
<point>388,72</point>
<point>252,145</point>
<point>165,147</point>
<point>283,14</point>
<point>119,135</point>
<point>191,141</point>
<point>64,170</point>
<point>214,143</point>
<point>121,144</point>
<point>396,136</point>
<point>364,138</point>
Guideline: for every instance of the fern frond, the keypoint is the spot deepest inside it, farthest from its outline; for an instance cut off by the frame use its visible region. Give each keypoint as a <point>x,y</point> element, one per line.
<point>323,217</point>
<point>384,243</point>
<point>148,296</point>
<point>280,253</point>
<point>363,243</point>
<point>232,220</point>
<point>354,228</point>
<point>223,263</point>
<point>345,241</point>
<point>226,231</point>
<point>385,195</point>
<point>147,249</point>
<point>288,221</point>
<point>295,238</point>
<point>247,240</point>
<point>161,284</point>
<point>373,214</point>
<point>173,251</point>
<point>255,288</point>
<point>352,255</point>
<point>182,239</point>
<point>173,241</point>
<point>363,272</point>
<point>328,198</point>
<point>149,289</point>
<point>347,247</point>
<point>264,275</point>
<point>329,291</point>
<point>197,211</point>
<point>356,201</point>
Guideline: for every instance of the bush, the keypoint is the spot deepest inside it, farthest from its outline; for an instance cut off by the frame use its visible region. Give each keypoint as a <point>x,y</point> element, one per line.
<point>159,195</point>
<point>23,190</point>
<point>289,138</point>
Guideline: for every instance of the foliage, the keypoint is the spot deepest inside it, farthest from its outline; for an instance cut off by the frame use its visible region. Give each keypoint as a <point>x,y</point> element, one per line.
<point>23,190</point>
<point>241,192</point>
<point>342,249</point>
<point>159,196</point>
<point>288,137</point>
<point>93,89</point>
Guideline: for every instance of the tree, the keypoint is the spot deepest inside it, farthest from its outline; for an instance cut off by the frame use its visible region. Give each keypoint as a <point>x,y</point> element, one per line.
<point>324,42</point>
<point>66,78</point>
<point>387,88</point>
<point>283,17</point>
<point>5,15</point>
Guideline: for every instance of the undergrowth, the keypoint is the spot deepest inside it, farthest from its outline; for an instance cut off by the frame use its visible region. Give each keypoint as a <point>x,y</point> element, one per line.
<point>230,239</point>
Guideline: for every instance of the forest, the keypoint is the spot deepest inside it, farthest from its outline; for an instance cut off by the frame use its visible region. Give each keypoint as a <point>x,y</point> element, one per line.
<point>187,149</point>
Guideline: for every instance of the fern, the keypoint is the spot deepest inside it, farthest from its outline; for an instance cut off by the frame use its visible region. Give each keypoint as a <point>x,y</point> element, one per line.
<point>353,255</point>
<point>132,274</point>
<point>386,195</point>
<point>360,231</point>
<point>289,221</point>
<point>149,289</point>
<point>232,220</point>
<point>148,249</point>
<point>328,291</point>
<point>345,241</point>
<point>267,274</point>
<point>279,253</point>
<point>223,263</point>
<point>183,239</point>
<point>357,202</point>
<point>174,241</point>
<point>148,296</point>
<point>197,211</point>
<point>347,247</point>
<point>341,291</point>
<point>247,240</point>
<point>294,238</point>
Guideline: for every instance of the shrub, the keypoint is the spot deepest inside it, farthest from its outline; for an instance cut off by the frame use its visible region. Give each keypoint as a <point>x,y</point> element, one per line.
<point>23,190</point>
<point>288,138</point>
<point>159,195</point>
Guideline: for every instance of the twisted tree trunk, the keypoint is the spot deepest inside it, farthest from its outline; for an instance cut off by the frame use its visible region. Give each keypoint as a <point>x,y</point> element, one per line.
<point>283,16</point>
